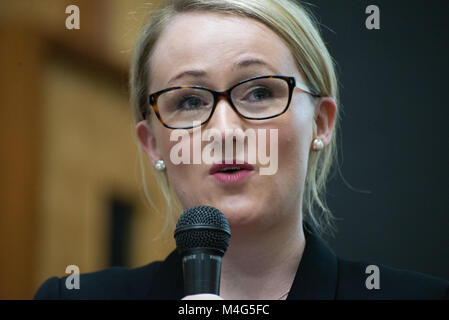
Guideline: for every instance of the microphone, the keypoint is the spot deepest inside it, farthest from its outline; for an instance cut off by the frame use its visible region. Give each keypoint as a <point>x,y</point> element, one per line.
<point>202,236</point>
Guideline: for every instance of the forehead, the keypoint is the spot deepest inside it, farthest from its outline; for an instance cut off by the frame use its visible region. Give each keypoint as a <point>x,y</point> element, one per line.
<point>214,42</point>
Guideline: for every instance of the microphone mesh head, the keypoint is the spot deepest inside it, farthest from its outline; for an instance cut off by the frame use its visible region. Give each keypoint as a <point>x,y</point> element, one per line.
<point>202,227</point>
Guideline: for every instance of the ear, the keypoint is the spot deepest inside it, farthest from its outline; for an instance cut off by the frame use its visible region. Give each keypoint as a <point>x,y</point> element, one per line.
<point>325,116</point>
<point>148,141</point>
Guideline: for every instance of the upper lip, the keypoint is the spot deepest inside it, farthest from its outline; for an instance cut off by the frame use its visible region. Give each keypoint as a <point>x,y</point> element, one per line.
<point>220,166</point>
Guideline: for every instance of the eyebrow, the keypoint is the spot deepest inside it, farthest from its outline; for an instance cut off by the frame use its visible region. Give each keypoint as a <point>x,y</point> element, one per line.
<point>249,62</point>
<point>238,65</point>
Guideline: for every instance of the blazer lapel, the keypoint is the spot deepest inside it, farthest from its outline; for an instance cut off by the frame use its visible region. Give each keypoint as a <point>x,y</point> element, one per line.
<point>316,278</point>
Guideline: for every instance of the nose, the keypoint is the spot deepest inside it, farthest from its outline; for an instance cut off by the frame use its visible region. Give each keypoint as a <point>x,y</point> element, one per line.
<point>225,118</point>
<point>231,127</point>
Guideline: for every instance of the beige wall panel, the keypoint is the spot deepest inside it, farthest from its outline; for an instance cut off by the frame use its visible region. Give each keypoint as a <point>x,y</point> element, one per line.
<point>89,154</point>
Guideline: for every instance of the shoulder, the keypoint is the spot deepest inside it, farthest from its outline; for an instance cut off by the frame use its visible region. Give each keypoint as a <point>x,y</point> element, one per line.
<point>111,283</point>
<point>362,280</point>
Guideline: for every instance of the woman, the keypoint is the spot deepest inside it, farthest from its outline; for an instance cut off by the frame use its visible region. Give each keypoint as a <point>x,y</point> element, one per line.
<point>236,67</point>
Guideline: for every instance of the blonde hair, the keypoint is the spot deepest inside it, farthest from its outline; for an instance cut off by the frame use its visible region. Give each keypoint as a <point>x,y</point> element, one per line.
<point>293,23</point>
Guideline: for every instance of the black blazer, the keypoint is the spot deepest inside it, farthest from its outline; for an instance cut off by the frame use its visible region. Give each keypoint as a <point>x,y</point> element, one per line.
<point>320,275</point>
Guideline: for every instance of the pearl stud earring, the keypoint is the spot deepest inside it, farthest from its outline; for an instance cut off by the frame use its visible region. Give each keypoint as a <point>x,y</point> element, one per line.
<point>318,145</point>
<point>160,165</point>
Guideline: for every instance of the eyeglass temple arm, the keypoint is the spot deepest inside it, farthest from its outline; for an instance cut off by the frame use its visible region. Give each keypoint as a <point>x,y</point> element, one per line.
<point>306,89</point>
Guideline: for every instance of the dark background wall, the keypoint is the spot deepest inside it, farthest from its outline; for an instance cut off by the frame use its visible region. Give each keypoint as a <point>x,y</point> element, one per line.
<point>394,151</point>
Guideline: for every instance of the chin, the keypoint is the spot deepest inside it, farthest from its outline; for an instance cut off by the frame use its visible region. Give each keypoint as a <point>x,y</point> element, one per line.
<point>239,211</point>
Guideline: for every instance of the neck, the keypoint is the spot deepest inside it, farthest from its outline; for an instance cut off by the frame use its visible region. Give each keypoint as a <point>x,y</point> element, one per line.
<point>262,264</point>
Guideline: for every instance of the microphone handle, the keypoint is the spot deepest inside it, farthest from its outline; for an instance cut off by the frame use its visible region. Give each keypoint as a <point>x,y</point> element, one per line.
<point>201,270</point>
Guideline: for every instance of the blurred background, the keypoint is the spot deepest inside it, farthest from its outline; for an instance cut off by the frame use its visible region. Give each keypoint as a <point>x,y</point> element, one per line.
<point>70,186</point>
<point>71,190</point>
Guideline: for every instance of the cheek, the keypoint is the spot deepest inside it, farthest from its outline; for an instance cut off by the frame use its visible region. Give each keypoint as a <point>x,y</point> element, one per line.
<point>183,175</point>
<point>166,147</point>
<point>295,136</point>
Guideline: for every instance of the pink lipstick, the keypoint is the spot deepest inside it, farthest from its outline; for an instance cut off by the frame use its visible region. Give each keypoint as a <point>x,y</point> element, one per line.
<point>230,173</point>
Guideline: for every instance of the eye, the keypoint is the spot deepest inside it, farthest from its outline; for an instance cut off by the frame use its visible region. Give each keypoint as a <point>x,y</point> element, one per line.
<point>259,94</point>
<point>190,103</point>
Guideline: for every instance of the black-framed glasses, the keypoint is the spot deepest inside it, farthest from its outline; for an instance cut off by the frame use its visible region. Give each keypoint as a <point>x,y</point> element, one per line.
<point>257,98</point>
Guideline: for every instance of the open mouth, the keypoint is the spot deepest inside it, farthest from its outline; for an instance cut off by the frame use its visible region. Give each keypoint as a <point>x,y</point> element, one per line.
<point>230,173</point>
<point>230,169</point>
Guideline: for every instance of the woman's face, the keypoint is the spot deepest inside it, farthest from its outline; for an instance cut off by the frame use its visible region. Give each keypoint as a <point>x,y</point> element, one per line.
<point>215,44</point>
